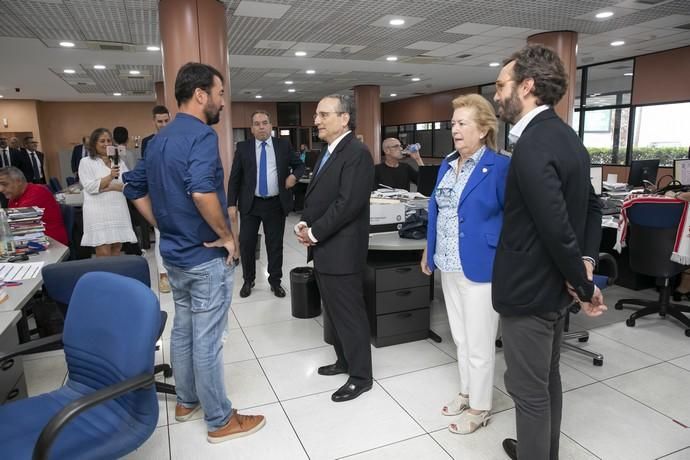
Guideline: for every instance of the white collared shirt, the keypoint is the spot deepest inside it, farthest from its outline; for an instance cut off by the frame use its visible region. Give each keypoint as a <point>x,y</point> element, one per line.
<point>271,167</point>
<point>519,127</point>
<point>32,153</point>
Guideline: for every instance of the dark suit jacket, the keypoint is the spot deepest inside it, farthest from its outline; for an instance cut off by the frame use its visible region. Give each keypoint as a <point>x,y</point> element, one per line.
<point>551,219</point>
<point>144,143</point>
<point>336,207</point>
<point>77,154</point>
<point>242,182</point>
<point>41,164</point>
<point>21,161</point>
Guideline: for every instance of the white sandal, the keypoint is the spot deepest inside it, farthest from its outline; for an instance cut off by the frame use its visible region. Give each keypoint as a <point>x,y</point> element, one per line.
<point>456,406</point>
<point>469,423</point>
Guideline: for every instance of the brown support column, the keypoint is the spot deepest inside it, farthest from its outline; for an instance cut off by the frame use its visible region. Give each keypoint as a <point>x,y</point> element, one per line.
<point>159,88</point>
<point>368,104</point>
<point>195,31</point>
<point>564,43</point>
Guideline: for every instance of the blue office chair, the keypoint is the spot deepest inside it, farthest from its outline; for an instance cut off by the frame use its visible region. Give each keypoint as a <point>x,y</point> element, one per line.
<point>68,220</point>
<point>108,407</point>
<point>59,281</point>
<point>71,180</point>
<point>652,229</point>
<point>54,185</point>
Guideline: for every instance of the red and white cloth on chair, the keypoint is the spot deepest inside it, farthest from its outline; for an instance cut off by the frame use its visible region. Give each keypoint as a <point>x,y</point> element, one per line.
<point>681,248</point>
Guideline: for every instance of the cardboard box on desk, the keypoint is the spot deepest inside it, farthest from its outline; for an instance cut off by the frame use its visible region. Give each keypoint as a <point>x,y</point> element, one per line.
<point>385,215</point>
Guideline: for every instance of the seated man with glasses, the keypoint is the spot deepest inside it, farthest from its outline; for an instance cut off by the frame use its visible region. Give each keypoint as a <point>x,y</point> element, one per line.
<point>391,172</point>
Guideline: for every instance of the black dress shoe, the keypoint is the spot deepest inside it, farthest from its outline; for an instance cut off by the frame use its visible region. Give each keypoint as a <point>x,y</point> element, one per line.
<point>510,446</point>
<point>278,290</point>
<point>350,391</point>
<point>332,369</point>
<point>246,289</point>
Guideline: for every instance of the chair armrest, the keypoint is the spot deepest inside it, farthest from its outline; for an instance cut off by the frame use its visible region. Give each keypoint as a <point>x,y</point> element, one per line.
<point>76,407</point>
<point>608,267</point>
<point>35,346</point>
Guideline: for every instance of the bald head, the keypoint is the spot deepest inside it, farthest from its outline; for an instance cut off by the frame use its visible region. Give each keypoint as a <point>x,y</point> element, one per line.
<point>392,148</point>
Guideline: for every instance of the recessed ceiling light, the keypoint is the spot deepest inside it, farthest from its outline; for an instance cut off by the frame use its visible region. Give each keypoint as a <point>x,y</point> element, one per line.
<point>628,74</point>
<point>392,58</point>
<point>291,90</point>
<point>67,44</point>
<point>494,64</point>
<point>117,94</point>
<point>70,71</point>
<point>604,15</point>
<point>258,96</point>
<point>153,48</point>
<point>288,82</point>
<point>300,53</point>
<point>134,72</point>
<point>1,96</point>
<point>396,22</point>
<point>416,79</point>
<point>311,72</point>
<point>618,43</point>
<point>99,67</point>
<point>393,94</point>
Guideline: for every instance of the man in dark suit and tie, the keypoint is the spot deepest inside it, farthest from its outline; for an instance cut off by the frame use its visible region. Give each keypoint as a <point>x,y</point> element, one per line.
<point>35,159</point>
<point>335,229</point>
<point>548,246</point>
<point>78,152</point>
<point>263,172</point>
<point>161,117</point>
<point>13,157</point>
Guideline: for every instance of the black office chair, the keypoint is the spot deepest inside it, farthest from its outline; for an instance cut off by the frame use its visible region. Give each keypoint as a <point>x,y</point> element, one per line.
<point>652,230</point>
<point>60,279</point>
<point>607,272</point>
<point>68,220</point>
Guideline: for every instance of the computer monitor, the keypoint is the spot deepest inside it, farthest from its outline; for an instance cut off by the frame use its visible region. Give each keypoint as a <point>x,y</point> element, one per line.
<point>426,179</point>
<point>681,171</point>
<point>596,175</point>
<point>642,170</point>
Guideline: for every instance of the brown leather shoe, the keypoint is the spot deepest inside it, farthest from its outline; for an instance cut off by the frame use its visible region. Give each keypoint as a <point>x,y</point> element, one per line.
<point>182,414</point>
<point>163,284</point>
<point>237,426</point>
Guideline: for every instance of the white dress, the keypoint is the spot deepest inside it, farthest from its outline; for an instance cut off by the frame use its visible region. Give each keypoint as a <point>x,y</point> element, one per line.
<point>106,216</point>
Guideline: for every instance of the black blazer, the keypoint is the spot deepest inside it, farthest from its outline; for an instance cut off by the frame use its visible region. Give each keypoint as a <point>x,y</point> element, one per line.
<point>144,143</point>
<point>21,161</point>
<point>551,219</point>
<point>41,164</point>
<point>242,182</point>
<point>77,154</point>
<point>336,207</point>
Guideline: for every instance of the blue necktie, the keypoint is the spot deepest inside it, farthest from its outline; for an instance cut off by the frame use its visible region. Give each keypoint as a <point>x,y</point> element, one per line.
<point>325,158</point>
<point>263,172</point>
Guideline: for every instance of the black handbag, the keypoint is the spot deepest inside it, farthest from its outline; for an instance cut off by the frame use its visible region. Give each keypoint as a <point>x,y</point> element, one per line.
<point>415,225</point>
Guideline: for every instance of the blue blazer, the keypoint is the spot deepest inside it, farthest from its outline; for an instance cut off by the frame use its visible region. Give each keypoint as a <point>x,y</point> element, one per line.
<point>480,215</point>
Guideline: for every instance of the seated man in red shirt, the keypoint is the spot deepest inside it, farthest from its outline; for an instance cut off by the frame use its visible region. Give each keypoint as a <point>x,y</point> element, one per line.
<point>20,194</point>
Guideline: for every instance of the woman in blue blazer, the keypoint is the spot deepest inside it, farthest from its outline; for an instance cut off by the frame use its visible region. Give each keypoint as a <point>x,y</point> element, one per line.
<point>465,218</point>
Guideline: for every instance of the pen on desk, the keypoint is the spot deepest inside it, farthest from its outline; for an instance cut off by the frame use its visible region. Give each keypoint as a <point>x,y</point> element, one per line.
<point>12,283</point>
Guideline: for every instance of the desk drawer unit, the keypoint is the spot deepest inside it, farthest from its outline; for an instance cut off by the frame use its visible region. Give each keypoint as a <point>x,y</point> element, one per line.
<point>397,297</point>
<point>12,385</point>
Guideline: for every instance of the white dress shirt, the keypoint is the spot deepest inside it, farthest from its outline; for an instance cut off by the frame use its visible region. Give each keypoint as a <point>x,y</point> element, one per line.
<point>32,155</point>
<point>271,167</point>
<point>519,127</point>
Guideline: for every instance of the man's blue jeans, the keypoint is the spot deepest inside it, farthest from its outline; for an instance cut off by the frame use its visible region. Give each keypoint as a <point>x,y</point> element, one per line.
<point>202,296</point>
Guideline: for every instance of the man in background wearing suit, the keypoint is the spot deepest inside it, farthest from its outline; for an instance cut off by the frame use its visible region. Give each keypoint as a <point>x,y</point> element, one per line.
<point>10,156</point>
<point>548,246</point>
<point>35,159</point>
<point>161,117</point>
<point>78,152</point>
<point>335,229</point>
<point>263,172</point>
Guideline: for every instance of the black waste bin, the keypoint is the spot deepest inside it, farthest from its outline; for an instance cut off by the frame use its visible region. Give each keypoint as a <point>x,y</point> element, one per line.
<point>304,293</point>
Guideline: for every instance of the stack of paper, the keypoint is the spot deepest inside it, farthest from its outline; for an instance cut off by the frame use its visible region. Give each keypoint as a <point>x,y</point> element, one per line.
<point>26,225</point>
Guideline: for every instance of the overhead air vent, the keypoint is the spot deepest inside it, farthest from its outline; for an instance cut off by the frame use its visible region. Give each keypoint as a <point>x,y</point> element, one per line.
<point>139,93</point>
<point>421,59</point>
<point>112,46</point>
<point>136,77</point>
<point>463,56</point>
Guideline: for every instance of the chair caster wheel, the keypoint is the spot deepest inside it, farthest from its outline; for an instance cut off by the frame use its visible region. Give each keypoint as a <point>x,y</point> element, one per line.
<point>618,306</point>
<point>598,362</point>
<point>583,339</point>
<point>167,373</point>
<point>499,343</point>
<point>630,322</point>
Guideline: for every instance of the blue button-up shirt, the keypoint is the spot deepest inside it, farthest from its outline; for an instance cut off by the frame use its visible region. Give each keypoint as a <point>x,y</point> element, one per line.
<point>448,226</point>
<point>181,159</point>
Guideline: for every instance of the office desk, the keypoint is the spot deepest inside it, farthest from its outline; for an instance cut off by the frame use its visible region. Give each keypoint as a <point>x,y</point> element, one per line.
<point>12,382</point>
<point>396,292</point>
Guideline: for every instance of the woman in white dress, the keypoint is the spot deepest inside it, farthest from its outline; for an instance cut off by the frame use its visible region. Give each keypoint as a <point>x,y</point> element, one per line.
<point>107,223</point>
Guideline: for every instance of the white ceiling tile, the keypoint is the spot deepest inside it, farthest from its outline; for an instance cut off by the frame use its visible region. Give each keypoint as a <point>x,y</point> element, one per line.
<point>470,28</point>
<point>668,21</point>
<point>306,46</point>
<point>261,10</point>
<point>425,45</point>
<point>274,44</point>
<point>345,49</point>
<point>478,40</point>
<point>506,31</point>
<point>447,50</point>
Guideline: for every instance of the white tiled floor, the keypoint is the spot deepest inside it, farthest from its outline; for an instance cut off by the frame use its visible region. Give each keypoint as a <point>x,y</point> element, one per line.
<point>636,406</point>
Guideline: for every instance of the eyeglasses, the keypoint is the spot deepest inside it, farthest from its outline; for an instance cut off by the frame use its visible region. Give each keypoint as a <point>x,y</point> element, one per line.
<point>396,146</point>
<point>501,83</point>
<point>324,115</point>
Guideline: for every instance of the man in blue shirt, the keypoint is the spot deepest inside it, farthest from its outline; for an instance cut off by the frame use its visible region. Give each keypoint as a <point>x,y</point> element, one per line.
<point>178,187</point>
